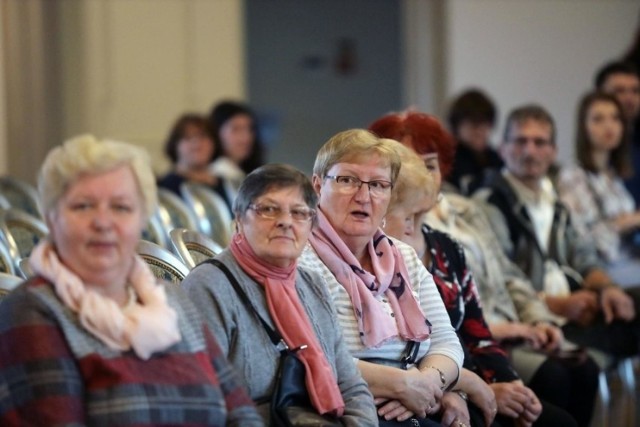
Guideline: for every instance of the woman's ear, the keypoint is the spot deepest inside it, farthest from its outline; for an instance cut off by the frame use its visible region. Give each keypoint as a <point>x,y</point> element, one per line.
<point>316,181</point>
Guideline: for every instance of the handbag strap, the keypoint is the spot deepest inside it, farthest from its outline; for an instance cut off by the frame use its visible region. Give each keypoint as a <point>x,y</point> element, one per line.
<point>275,337</point>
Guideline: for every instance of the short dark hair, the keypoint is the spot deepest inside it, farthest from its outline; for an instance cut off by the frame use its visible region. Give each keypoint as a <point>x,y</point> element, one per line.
<point>614,67</point>
<point>619,159</point>
<point>529,112</point>
<point>178,130</point>
<point>269,177</point>
<point>472,105</point>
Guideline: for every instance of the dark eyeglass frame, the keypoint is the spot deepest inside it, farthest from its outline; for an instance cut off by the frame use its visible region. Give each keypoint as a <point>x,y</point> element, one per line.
<point>380,186</point>
<point>272,211</point>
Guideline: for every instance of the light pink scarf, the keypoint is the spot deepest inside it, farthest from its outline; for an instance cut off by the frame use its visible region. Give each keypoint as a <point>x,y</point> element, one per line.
<point>389,277</point>
<point>146,327</point>
<point>293,324</point>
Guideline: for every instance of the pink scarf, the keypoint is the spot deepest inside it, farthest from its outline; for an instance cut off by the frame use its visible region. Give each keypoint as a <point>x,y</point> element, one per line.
<point>389,277</point>
<point>293,324</point>
<point>146,327</point>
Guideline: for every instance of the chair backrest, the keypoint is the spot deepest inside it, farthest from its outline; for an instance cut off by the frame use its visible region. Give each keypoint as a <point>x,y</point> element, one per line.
<point>192,246</point>
<point>21,195</point>
<point>7,265</point>
<point>156,231</point>
<point>21,232</point>
<point>7,283</point>
<point>24,269</point>
<point>212,212</point>
<point>179,213</point>
<point>164,264</point>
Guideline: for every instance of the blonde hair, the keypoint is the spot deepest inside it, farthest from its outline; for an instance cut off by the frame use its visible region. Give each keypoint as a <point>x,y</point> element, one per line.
<point>413,180</point>
<point>355,144</point>
<point>85,154</point>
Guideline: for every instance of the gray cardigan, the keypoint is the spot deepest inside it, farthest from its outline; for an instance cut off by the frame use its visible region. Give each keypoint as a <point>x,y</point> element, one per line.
<point>247,346</point>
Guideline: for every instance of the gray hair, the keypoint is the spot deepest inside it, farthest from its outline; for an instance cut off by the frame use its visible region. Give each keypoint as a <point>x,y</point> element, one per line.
<point>272,177</point>
<point>85,154</point>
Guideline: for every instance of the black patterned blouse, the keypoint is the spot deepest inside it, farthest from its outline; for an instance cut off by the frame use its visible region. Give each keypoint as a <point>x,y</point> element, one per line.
<point>455,283</point>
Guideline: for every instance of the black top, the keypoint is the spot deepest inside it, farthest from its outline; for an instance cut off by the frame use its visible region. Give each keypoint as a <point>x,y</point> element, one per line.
<point>470,168</point>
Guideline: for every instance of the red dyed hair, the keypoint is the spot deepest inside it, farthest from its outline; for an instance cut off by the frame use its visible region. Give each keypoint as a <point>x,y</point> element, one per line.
<point>421,132</point>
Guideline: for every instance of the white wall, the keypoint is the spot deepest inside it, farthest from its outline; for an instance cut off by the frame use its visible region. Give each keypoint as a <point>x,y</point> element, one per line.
<point>535,51</point>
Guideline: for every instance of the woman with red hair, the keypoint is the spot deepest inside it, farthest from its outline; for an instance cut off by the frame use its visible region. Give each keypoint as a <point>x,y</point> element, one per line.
<point>510,305</point>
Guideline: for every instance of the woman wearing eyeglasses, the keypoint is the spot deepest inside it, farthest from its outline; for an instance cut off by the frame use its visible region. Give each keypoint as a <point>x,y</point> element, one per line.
<point>275,212</point>
<point>393,319</point>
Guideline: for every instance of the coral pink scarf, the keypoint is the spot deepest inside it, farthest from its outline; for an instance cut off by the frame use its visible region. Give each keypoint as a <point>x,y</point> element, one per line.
<point>389,277</point>
<point>293,324</point>
<point>146,327</point>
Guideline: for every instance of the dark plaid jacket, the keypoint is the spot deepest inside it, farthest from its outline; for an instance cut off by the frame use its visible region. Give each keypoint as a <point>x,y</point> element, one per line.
<point>53,372</point>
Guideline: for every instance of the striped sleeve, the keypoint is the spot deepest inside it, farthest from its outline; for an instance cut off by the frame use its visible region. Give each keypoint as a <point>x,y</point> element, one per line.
<point>444,340</point>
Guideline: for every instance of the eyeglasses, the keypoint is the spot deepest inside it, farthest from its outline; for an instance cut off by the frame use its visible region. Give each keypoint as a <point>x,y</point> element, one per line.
<point>522,141</point>
<point>274,212</point>
<point>350,185</point>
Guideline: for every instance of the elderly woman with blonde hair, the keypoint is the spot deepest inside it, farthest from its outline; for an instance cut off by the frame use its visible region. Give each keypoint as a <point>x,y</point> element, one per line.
<point>393,319</point>
<point>93,338</point>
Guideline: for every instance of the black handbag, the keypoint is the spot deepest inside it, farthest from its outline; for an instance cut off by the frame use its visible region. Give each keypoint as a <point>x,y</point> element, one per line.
<point>289,402</point>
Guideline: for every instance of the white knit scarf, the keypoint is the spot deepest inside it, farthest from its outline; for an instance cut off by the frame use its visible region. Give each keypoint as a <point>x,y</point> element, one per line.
<point>146,325</point>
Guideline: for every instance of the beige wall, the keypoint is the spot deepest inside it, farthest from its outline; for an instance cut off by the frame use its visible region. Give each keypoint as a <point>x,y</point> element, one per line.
<point>121,68</point>
<point>144,62</point>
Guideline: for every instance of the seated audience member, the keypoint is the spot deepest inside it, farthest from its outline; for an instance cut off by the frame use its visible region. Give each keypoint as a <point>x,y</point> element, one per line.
<point>602,209</point>
<point>392,317</point>
<point>275,210</point>
<point>191,148</point>
<point>471,117</point>
<point>235,131</point>
<point>534,228</point>
<point>621,80</point>
<point>93,339</point>
<point>551,379</point>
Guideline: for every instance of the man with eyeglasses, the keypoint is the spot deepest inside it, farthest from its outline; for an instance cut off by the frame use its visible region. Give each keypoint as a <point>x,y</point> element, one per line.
<point>536,232</point>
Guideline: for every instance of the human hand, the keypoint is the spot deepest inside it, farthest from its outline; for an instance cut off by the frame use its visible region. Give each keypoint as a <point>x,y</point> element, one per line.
<point>513,399</point>
<point>392,409</point>
<point>455,411</point>
<point>580,306</point>
<point>551,336</point>
<point>616,304</point>
<point>421,393</point>
<point>481,395</point>
<point>533,407</point>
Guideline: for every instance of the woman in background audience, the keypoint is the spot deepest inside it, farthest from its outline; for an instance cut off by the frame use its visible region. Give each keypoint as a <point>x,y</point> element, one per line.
<point>392,316</point>
<point>602,209</point>
<point>275,210</point>
<point>93,338</point>
<point>235,130</point>
<point>191,148</point>
<point>511,307</point>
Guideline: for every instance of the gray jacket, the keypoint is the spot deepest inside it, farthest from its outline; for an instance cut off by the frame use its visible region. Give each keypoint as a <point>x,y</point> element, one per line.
<point>506,293</point>
<point>512,224</point>
<point>247,346</point>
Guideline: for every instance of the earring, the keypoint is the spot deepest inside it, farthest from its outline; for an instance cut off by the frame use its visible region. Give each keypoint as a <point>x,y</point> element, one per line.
<point>384,222</point>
